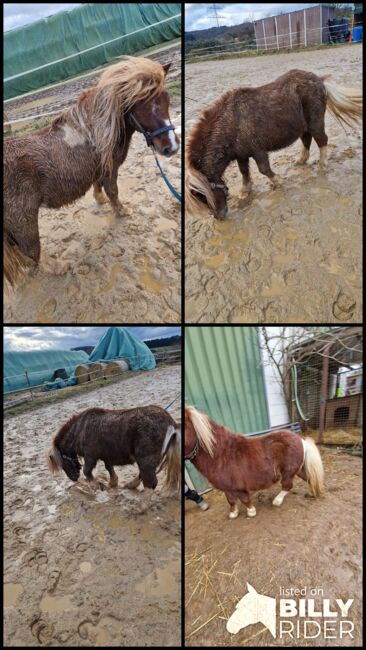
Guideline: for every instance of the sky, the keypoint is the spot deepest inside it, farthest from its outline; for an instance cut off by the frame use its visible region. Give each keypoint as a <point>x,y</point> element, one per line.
<point>19,14</point>
<point>18,339</point>
<point>199,15</point>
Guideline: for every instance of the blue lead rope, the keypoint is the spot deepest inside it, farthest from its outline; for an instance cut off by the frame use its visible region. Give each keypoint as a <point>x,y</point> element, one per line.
<point>172,189</point>
<point>149,135</point>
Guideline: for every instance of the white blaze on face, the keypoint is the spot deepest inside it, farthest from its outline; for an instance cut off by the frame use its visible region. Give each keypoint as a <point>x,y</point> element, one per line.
<point>72,137</point>
<point>172,138</point>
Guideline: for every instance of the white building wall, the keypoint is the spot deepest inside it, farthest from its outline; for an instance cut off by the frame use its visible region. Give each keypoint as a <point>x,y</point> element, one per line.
<point>277,408</point>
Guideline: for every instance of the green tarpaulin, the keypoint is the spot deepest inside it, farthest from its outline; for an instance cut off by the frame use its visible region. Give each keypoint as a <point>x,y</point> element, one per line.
<point>39,365</point>
<point>71,42</point>
<point>119,343</point>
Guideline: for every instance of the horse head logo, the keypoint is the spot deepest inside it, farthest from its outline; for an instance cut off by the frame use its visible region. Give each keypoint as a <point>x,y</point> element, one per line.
<point>253,608</point>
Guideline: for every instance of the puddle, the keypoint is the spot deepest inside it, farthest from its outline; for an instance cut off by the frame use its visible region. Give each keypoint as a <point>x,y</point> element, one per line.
<point>164,223</point>
<point>146,278</point>
<point>161,582</point>
<point>51,604</point>
<point>12,593</point>
<point>116,270</point>
<point>216,261</point>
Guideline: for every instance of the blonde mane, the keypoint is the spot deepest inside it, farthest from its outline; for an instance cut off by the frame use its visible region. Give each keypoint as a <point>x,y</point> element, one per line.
<point>202,427</point>
<point>121,86</point>
<point>195,180</point>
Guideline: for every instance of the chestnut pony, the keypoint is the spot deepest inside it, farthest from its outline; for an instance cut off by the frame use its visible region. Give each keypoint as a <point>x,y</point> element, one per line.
<point>248,122</point>
<point>83,146</point>
<point>238,465</point>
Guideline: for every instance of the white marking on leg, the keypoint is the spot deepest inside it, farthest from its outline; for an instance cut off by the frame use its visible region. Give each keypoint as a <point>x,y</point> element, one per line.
<point>251,512</point>
<point>279,498</point>
<point>323,160</point>
<point>234,512</point>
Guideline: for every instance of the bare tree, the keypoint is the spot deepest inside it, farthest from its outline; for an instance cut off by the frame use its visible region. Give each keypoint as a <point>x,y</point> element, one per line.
<point>286,345</point>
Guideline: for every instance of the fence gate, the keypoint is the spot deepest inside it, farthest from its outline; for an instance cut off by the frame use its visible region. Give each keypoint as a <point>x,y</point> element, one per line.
<point>223,378</point>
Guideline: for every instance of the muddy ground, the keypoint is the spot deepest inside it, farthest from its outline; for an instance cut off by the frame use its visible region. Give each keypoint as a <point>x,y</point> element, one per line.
<point>287,255</point>
<point>312,543</point>
<point>98,268</point>
<point>84,569</point>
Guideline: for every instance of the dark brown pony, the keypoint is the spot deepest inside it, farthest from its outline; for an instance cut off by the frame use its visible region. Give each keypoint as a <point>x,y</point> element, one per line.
<point>238,465</point>
<point>248,122</point>
<point>146,435</point>
<point>85,145</point>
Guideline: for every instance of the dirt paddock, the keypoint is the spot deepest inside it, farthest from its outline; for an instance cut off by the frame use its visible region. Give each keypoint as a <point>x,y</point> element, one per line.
<point>312,543</point>
<point>287,255</point>
<point>98,268</point>
<point>84,569</point>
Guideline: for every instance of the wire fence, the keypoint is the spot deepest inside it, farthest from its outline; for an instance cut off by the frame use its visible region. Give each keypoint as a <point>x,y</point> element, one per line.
<point>327,35</point>
<point>328,399</point>
<point>91,373</point>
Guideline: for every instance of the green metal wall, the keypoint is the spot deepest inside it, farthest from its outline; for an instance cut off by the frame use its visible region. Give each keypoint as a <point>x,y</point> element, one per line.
<point>223,378</point>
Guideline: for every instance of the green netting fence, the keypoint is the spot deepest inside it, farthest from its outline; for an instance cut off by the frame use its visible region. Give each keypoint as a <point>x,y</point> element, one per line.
<point>72,42</point>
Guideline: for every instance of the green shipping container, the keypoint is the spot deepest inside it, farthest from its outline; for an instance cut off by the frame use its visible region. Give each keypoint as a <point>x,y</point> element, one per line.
<point>223,378</point>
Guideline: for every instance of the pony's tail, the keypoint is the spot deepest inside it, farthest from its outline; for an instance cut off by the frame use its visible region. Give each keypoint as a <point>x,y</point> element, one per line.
<point>345,104</point>
<point>313,467</point>
<point>171,458</point>
<point>54,460</point>
<point>196,182</point>
<point>15,262</point>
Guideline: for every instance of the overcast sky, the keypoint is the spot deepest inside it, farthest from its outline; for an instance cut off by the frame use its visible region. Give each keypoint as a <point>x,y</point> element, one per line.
<point>199,15</point>
<point>17,339</point>
<point>16,15</point>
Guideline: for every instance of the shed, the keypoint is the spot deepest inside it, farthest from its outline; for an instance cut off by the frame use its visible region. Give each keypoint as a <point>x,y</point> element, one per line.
<point>294,29</point>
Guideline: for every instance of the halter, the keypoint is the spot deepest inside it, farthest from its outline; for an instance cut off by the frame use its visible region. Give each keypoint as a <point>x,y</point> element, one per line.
<point>149,135</point>
<point>193,453</point>
<point>220,186</point>
<point>75,462</point>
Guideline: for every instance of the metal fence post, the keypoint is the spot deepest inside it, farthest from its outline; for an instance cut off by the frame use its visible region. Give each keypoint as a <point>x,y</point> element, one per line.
<point>305,27</point>
<point>264,34</point>
<point>323,391</point>
<point>289,29</point>
<point>321,26</point>
<point>30,388</point>
<point>276,33</point>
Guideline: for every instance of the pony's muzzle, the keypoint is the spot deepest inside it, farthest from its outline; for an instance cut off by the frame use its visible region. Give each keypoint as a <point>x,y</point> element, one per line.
<point>221,214</point>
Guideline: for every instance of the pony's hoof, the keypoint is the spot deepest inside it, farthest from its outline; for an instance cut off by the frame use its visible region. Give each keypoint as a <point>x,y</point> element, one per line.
<point>234,514</point>
<point>251,512</point>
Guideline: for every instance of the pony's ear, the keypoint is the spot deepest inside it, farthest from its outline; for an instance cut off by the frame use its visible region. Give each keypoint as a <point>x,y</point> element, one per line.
<point>251,589</point>
<point>166,67</point>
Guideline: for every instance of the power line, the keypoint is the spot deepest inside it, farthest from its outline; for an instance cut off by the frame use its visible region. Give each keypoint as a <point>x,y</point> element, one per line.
<point>216,16</point>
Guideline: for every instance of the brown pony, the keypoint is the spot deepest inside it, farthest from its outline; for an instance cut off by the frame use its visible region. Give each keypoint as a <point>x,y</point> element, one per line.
<point>248,122</point>
<point>146,435</point>
<point>85,145</point>
<point>238,465</point>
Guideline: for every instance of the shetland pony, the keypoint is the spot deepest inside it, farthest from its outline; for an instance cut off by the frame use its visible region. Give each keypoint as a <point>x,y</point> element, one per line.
<point>248,122</point>
<point>146,435</point>
<point>238,465</point>
<point>84,145</point>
